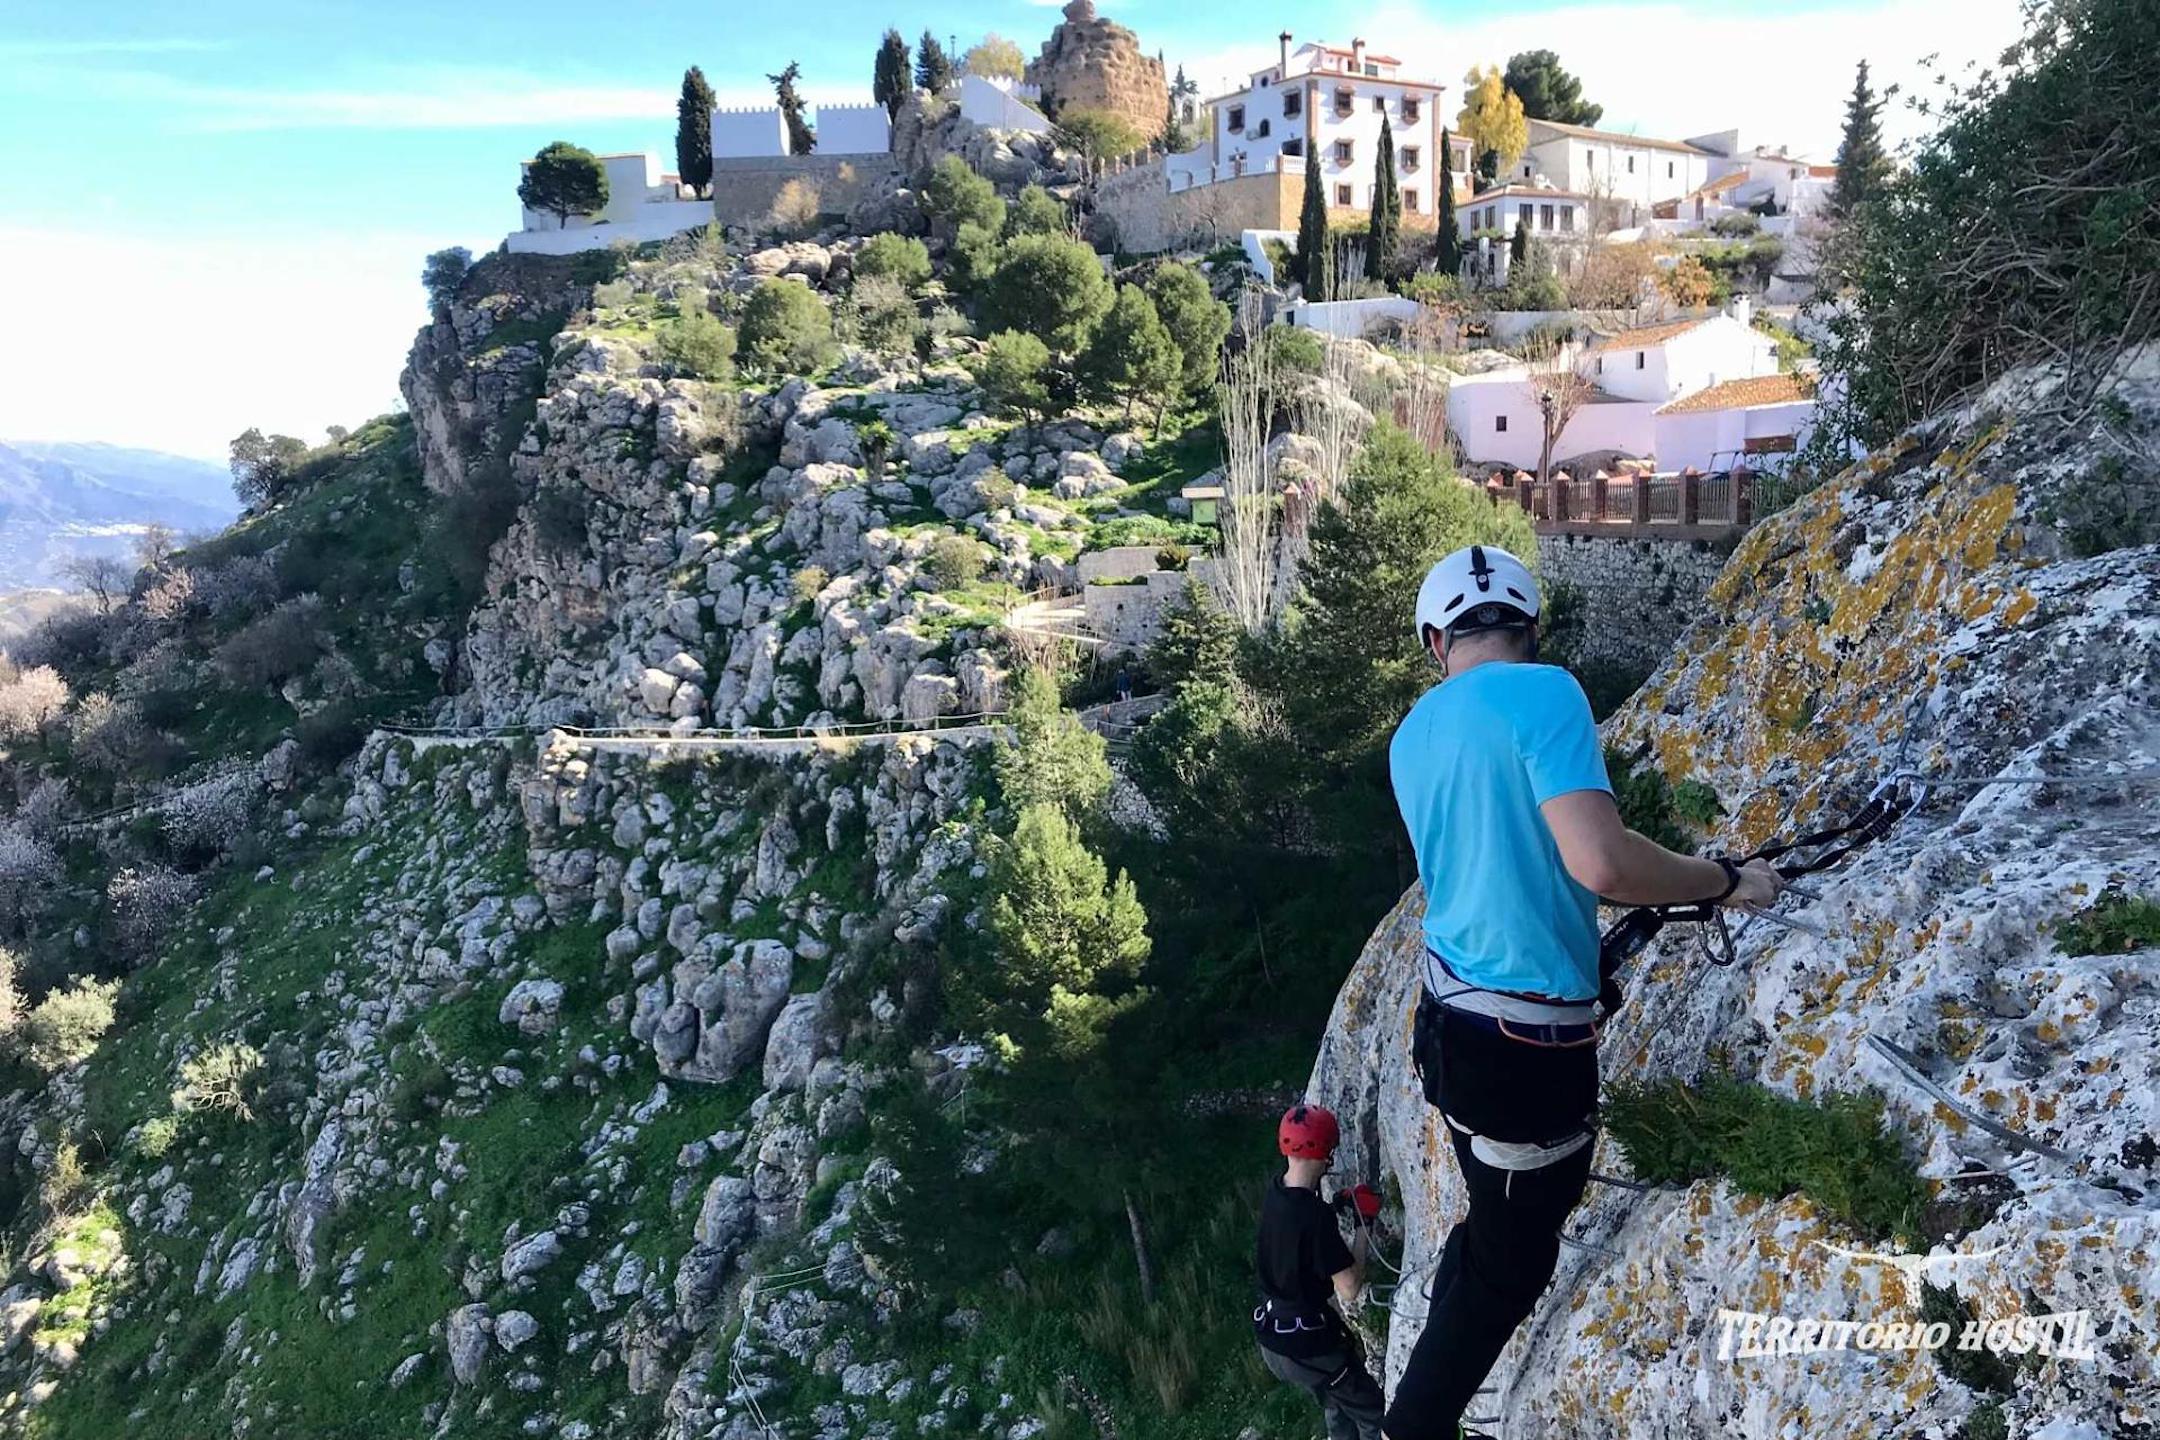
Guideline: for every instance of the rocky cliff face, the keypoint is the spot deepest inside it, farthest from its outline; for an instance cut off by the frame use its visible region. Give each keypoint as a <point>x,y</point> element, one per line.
<point>1090,63</point>
<point>1924,609</point>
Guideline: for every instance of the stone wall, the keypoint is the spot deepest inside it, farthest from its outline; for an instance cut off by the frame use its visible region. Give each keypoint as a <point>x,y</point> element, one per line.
<point>1090,63</point>
<point>745,187</point>
<point>1637,595</point>
<point>1142,216</point>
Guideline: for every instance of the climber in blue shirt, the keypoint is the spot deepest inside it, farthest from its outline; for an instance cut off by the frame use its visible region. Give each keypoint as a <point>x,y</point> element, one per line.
<point>1501,782</point>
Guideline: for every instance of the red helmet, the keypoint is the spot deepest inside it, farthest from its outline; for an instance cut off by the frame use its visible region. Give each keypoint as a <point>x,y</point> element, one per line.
<point>1308,1132</point>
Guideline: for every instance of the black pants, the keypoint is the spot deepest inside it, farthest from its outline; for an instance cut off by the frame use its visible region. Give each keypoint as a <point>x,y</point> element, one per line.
<point>1501,1256</point>
<point>1349,1398</point>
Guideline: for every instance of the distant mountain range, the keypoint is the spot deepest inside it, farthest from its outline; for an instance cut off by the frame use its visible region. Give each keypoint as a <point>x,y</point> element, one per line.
<point>61,498</point>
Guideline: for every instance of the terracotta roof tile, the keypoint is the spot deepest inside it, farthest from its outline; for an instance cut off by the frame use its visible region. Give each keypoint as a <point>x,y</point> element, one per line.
<point>1643,337</point>
<point>1740,394</point>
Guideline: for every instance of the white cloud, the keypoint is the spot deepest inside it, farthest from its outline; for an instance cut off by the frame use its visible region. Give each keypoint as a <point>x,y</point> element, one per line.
<point>178,343</point>
<point>1675,70</point>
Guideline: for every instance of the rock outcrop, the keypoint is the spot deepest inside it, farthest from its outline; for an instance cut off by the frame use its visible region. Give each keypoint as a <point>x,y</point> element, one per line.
<point>1925,609</point>
<point>1090,63</point>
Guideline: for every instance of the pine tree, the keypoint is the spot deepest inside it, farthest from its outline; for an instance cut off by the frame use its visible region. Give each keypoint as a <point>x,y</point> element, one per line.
<point>1862,165</point>
<point>891,80</point>
<point>1315,256</point>
<point>801,139</point>
<point>1449,239</point>
<point>693,130</point>
<point>933,67</point>
<point>564,180</point>
<point>1386,224</point>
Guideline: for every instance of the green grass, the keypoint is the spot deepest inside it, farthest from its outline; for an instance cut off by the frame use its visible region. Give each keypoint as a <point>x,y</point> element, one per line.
<point>2114,924</point>
<point>1836,1152</point>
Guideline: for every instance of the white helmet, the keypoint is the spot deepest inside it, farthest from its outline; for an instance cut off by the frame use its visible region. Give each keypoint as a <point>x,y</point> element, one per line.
<point>1478,588</point>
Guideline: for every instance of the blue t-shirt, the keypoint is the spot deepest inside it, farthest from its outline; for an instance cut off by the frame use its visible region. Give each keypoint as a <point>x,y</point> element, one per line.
<point>1472,762</point>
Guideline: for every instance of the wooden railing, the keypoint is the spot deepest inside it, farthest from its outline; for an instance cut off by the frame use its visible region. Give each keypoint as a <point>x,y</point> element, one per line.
<point>1681,507</point>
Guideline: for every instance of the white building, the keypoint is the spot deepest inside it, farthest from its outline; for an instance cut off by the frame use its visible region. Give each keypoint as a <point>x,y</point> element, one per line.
<point>997,103</point>
<point>1324,101</point>
<point>643,204</point>
<point>1632,172</point>
<point>1653,387</point>
<point>1735,422</point>
<point>1749,176</point>
<point>1551,214</point>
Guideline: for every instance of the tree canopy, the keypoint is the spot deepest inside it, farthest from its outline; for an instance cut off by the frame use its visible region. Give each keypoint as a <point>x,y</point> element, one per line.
<point>1196,320</point>
<point>1492,117</point>
<point>995,58</point>
<point>1131,355</point>
<point>564,180</point>
<point>693,130</point>
<point>933,67</point>
<point>443,272</point>
<point>801,139</point>
<point>891,80</point>
<point>1547,91</point>
<point>1862,164</point>
<point>1051,287</point>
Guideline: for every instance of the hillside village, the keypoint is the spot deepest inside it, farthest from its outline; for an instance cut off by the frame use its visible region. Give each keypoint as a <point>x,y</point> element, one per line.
<point>761,857</point>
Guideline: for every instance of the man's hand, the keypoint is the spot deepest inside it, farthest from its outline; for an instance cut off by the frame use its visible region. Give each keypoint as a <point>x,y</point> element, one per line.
<point>1760,885</point>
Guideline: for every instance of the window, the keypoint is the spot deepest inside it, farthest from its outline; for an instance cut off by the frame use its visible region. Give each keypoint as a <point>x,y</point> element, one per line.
<point>1379,104</point>
<point>1544,217</point>
<point>1600,364</point>
<point>1630,164</point>
<point>1642,360</point>
<point>1668,169</point>
<point>1293,146</point>
<point>1410,109</point>
<point>1261,133</point>
<point>1409,199</point>
<point>1589,159</point>
<point>1342,197</point>
<point>1345,151</point>
<point>1293,104</point>
<point>1410,159</point>
<point>1567,219</point>
<point>1492,217</point>
<point>1345,101</point>
<point>1499,424</point>
<point>1237,118</point>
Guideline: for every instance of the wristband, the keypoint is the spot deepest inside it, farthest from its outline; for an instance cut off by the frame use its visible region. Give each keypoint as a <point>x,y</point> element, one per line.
<point>1732,880</point>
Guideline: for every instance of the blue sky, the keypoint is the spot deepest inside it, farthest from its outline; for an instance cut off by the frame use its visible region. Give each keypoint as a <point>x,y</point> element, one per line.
<point>215,212</point>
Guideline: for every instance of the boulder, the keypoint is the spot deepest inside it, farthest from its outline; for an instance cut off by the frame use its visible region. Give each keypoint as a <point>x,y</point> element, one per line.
<point>528,1257</point>
<point>466,1334</point>
<point>534,1006</point>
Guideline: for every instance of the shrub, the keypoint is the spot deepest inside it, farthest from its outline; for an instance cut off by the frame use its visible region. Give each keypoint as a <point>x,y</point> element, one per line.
<point>1834,1151</point>
<point>786,328</point>
<point>30,872</point>
<point>1012,373</point>
<point>697,345</point>
<point>953,561</point>
<point>2114,924</point>
<point>954,195</point>
<point>30,701</point>
<point>66,1025</point>
<point>884,318</point>
<point>1736,225</point>
<point>1051,287</point>
<point>808,581</point>
<point>1645,800</point>
<point>170,596</point>
<point>1037,212</point>
<point>219,1081</point>
<point>613,295</point>
<point>1197,321</point>
<point>106,734</point>
<point>277,646</point>
<point>208,816</point>
<point>973,258</point>
<point>146,901</point>
<point>899,258</point>
<point>155,1137</point>
<point>795,210</point>
<point>1297,351</point>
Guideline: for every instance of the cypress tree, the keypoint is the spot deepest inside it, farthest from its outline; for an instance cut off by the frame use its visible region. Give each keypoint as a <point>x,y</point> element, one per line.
<point>801,139</point>
<point>1449,253</point>
<point>1315,257</point>
<point>693,130</point>
<point>1385,227</point>
<point>1519,247</point>
<point>933,67</point>
<point>1862,166</point>
<point>891,80</point>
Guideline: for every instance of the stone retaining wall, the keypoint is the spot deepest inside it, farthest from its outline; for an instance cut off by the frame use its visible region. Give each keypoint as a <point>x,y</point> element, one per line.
<point>1637,595</point>
<point>745,187</point>
<point>1145,217</point>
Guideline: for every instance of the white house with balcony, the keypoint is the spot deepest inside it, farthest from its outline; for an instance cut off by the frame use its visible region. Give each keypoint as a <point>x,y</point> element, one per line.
<point>1550,214</point>
<point>1632,173</point>
<point>643,204</point>
<point>1327,102</point>
<point>1650,389</point>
